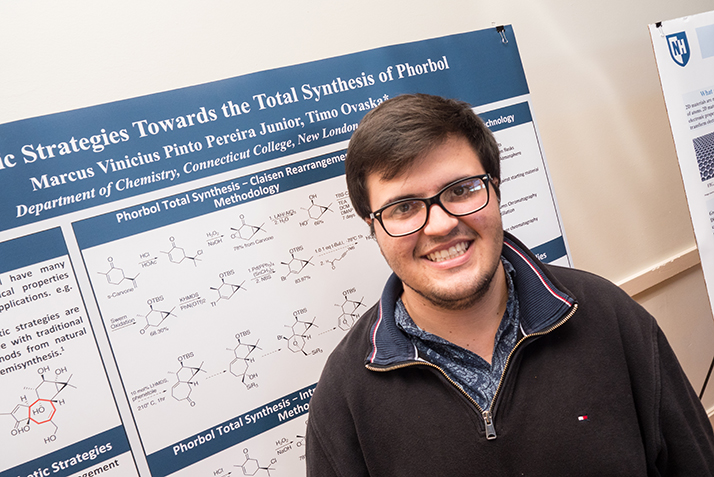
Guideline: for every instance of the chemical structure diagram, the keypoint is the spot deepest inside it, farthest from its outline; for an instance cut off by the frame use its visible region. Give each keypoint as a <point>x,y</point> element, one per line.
<point>349,313</point>
<point>295,265</point>
<point>115,275</point>
<point>154,318</point>
<point>246,231</point>
<point>316,211</point>
<point>226,290</point>
<point>242,360</point>
<point>178,254</point>
<point>40,406</point>
<point>186,380</point>
<point>334,261</point>
<point>299,336</point>
<point>252,466</point>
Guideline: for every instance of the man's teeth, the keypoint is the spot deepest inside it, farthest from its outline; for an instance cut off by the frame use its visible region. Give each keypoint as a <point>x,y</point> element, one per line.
<point>451,252</point>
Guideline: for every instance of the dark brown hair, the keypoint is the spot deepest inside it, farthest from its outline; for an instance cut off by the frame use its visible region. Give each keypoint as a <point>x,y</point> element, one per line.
<point>402,129</point>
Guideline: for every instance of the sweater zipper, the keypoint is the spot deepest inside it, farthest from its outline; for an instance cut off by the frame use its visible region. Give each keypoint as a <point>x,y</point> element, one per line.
<point>486,415</point>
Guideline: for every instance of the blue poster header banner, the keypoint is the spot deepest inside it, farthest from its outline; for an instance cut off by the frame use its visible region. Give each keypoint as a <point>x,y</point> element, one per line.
<point>30,249</point>
<point>169,210</point>
<point>229,433</point>
<point>91,452</point>
<point>507,117</point>
<point>64,162</point>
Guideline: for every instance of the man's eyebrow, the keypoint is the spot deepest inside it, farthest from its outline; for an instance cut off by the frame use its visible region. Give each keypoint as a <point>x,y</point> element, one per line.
<point>394,199</point>
<point>398,198</point>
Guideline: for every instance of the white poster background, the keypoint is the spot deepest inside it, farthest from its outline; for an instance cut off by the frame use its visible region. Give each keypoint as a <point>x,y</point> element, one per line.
<point>684,50</point>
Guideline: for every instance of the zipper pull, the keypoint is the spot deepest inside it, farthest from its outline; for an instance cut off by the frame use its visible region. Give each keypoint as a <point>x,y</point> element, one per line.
<point>490,428</point>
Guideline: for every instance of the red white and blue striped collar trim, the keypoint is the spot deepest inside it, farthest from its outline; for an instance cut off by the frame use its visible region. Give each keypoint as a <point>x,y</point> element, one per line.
<point>412,354</point>
<point>389,345</point>
<point>538,273</point>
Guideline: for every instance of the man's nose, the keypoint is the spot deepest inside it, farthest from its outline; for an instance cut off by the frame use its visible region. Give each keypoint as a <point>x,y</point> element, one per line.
<point>440,222</point>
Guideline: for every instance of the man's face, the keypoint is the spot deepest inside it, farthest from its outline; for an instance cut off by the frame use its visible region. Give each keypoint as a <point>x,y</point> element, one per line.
<point>452,260</point>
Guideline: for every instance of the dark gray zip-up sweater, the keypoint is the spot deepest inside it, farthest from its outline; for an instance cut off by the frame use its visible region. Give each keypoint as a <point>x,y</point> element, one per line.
<point>593,388</point>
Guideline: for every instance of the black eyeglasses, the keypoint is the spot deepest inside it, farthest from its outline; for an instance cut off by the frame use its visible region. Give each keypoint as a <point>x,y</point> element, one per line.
<point>460,198</point>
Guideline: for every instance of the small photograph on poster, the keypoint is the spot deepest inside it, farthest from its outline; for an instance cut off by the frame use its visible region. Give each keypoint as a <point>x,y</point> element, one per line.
<point>704,149</point>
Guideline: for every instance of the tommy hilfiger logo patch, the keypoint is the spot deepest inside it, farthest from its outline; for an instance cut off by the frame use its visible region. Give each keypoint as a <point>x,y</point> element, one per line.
<point>583,418</point>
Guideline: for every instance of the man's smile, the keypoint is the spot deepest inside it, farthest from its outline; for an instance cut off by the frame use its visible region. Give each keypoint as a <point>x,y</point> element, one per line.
<point>449,253</point>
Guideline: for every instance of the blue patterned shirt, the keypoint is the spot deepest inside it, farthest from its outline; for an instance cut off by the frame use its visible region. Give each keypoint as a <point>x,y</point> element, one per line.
<point>478,378</point>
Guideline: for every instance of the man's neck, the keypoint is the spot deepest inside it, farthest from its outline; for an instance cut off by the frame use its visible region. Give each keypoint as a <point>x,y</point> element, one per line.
<point>473,328</point>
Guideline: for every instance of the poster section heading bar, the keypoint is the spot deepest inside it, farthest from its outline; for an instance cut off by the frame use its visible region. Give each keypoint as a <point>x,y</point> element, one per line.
<point>551,250</point>
<point>56,164</point>
<point>151,215</point>
<point>31,249</point>
<point>507,117</point>
<point>90,452</point>
<point>229,433</point>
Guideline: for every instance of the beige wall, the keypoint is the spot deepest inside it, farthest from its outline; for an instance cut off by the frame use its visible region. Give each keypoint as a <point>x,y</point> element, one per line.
<point>590,67</point>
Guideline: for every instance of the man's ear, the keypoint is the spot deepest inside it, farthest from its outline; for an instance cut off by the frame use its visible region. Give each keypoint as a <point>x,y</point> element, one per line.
<point>496,189</point>
<point>373,235</point>
<point>370,222</point>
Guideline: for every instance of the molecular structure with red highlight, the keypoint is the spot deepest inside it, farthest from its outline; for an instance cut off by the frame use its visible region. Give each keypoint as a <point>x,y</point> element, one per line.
<point>39,406</point>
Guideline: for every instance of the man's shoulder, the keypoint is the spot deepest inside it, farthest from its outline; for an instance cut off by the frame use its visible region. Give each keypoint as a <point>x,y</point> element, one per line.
<point>583,284</point>
<point>603,306</point>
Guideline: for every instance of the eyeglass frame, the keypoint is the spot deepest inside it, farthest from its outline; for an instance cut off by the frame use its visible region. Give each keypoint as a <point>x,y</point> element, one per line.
<point>435,199</point>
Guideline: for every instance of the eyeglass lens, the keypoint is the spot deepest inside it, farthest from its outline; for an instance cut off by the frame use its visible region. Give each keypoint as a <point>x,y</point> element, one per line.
<point>463,198</point>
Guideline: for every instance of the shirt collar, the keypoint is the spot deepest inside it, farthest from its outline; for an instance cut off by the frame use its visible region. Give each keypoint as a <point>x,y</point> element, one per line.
<point>405,322</point>
<point>542,303</point>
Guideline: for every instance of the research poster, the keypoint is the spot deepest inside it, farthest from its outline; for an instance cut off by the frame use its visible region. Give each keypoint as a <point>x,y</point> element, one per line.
<point>176,268</point>
<point>684,50</point>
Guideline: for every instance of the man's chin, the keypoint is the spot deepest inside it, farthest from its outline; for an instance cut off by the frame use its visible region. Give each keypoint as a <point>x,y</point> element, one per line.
<point>456,301</point>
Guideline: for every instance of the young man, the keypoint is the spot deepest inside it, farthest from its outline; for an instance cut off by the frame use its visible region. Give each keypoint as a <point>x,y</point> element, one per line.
<point>479,359</point>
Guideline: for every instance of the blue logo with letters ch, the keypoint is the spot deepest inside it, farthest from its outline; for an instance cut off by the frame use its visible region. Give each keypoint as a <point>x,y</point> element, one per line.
<point>678,48</point>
